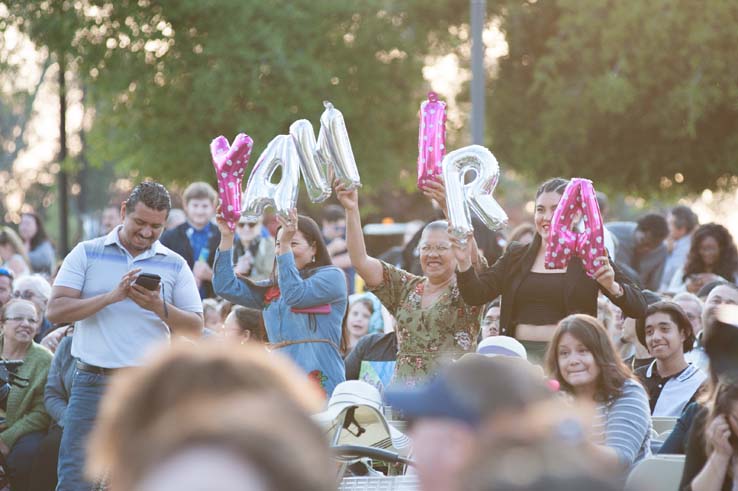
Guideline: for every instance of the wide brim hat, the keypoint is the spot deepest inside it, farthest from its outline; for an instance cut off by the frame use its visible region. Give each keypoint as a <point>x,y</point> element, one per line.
<point>354,416</point>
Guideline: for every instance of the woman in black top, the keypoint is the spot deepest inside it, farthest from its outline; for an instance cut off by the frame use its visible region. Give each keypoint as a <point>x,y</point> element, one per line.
<point>712,446</point>
<point>535,299</point>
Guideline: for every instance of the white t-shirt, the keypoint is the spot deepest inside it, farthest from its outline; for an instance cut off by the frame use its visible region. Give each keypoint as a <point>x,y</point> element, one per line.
<point>122,333</point>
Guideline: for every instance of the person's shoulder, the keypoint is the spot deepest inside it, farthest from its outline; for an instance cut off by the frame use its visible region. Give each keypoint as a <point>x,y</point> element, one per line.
<point>172,233</point>
<point>633,388</point>
<point>40,354</point>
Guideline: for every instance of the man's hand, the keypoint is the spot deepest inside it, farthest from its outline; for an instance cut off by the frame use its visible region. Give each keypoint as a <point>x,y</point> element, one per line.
<point>124,286</point>
<point>147,299</point>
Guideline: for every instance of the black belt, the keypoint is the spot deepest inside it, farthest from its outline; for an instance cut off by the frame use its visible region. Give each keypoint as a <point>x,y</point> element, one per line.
<point>86,367</point>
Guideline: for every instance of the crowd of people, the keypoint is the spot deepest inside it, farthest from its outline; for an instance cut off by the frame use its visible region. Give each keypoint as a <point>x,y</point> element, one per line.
<point>180,351</point>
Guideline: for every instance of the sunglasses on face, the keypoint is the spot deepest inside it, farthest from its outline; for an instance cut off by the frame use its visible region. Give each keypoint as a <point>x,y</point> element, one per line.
<point>247,224</point>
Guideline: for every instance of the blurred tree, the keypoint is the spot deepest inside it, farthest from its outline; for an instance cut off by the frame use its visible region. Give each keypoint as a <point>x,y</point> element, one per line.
<point>167,77</point>
<point>639,96</point>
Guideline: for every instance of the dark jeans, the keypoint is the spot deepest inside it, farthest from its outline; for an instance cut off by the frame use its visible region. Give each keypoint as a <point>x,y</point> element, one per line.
<point>43,470</point>
<point>87,391</point>
<point>20,459</point>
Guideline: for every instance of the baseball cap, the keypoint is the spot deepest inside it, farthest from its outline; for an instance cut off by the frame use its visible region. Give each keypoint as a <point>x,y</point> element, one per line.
<point>474,388</point>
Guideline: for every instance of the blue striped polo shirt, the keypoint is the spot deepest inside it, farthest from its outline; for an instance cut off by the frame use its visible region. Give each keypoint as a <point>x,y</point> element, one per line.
<point>122,333</point>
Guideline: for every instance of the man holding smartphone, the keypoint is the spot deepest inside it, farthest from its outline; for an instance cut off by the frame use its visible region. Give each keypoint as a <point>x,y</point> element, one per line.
<point>117,321</point>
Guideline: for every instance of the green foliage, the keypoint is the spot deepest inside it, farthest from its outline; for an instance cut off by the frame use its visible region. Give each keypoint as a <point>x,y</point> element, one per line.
<point>167,77</point>
<point>627,93</point>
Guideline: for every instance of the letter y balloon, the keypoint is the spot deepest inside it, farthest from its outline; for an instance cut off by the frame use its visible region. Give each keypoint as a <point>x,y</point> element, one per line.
<point>230,162</point>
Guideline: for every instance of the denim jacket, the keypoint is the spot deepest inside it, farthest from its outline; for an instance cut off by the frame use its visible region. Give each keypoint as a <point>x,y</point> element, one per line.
<point>283,318</point>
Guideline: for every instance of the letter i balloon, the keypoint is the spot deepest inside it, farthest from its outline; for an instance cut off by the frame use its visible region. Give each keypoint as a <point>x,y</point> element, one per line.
<point>230,162</point>
<point>431,139</point>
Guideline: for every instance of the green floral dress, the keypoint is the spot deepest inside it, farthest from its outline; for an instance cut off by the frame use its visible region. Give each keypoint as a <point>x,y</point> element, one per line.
<point>445,330</point>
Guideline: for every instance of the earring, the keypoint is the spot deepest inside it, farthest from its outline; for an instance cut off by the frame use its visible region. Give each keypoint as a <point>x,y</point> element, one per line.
<point>313,259</point>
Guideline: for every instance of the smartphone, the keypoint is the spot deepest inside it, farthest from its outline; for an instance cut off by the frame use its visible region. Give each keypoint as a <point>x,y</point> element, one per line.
<point>149,281</point>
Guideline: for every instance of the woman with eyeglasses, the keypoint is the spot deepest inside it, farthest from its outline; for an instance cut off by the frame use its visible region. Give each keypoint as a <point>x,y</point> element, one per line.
<point>12,253</point>
<point>433,322</point>
<point>303,301</point>
<point>534,299</point>
<point>40,251</point>
<point>26,419</point>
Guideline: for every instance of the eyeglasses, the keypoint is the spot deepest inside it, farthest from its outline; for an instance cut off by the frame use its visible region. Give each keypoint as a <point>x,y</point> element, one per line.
<point>247,224</point>
<point>25,294</point>
<point>19,319</point>
<point>437,248</point>
<point>6,272</point>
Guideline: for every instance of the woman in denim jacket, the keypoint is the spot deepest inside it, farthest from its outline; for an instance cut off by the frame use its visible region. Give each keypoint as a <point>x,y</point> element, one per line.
<point>303,303</point>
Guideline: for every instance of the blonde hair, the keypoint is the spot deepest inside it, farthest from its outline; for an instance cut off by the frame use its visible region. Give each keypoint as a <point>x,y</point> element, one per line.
<point>199,190</point>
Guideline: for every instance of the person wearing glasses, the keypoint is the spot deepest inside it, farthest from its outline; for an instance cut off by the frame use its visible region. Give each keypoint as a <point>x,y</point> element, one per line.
<point>253,252</point>
<point>26,419</point>
<point>6,285</point>
<point>36,289</point>
<point>433,321</point>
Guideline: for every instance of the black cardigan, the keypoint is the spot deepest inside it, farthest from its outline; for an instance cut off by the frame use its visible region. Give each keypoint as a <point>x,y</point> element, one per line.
<point>505,276</point>
<point>176,239</point>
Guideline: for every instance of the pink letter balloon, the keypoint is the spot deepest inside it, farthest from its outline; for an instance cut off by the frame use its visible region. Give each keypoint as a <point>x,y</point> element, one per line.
<point>334,147</point>
<point>476,195</point>
<point>431,139</point>
<point>260,191</point>
<point>230,162</point>
<point>576,229</point>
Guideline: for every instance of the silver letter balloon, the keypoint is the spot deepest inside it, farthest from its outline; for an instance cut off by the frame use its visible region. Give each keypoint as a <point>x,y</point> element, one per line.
<point>476,195</point>
<point>261,192</point>
<point>334,147</point>
<point>315,171</point>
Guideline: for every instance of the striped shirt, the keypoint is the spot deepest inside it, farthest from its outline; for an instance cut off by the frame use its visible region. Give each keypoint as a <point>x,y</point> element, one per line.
<point>120,334</point>
<point>624,424</point>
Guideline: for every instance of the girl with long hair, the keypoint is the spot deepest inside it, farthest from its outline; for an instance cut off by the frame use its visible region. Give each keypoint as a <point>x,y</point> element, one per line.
<point>712,255</point>
<point>582,358</point>
<point>37,244</point>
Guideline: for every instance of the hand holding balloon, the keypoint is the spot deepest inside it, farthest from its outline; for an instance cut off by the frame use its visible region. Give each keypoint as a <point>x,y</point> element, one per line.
<point>349,198</point>
<point>224,227</point>
<point>288,228</point>
<point>435,190</point>
<point>463,250</point>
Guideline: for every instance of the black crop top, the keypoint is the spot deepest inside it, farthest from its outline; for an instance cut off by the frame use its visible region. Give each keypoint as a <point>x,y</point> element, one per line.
<point>540,299</point>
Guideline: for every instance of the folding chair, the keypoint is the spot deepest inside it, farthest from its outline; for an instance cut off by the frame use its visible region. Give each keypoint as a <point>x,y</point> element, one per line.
<point>657,473</point>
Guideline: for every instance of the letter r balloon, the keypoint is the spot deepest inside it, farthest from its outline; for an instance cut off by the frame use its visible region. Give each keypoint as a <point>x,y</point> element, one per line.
<point>476,195</point>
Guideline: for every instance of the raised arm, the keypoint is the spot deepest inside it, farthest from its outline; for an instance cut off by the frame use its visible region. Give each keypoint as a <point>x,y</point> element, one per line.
<point>225,282</point>
<point>369,268</point>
